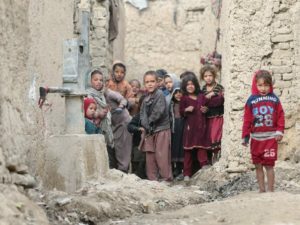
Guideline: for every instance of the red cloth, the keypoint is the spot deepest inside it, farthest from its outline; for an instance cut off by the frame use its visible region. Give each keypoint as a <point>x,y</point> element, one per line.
<point>188,161</point>
<point>87,102</point>
<point>264,152</point>
<point>262,113</point>
<point>214,131</point>
<point>195,123</point>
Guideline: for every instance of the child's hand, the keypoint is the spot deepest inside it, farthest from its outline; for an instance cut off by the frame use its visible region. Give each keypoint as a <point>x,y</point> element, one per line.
<point>97,121</point>
<point>141,129</point>
<point>203,109</point>
<point>118,110</point>
<point>189,109</point>
<point>245,141</point>
<point>101,113</point>
<point>209,95</point>
<point>278,137</point>
<point>245,144</point>
<point>132,101</point>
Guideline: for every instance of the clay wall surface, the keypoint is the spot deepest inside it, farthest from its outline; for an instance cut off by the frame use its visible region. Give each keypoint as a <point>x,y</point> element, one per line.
<point>259,34</point>
<point>168,34</point>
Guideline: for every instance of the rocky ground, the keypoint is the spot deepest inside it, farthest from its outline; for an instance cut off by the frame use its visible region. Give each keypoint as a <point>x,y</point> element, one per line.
<point>211,197</point>
<point>251,208</point>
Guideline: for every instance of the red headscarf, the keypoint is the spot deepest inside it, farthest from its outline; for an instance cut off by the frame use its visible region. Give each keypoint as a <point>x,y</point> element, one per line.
<point>254,87</point>
<point>87,102</point>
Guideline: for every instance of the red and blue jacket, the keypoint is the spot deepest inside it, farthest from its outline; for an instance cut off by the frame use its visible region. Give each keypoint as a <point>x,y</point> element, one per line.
<point>263,115</point>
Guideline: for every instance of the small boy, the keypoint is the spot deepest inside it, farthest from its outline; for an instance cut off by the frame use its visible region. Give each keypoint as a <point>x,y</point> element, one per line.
<point>264,121</point>
<point>117,82</point>
<point>155,121</point>
<point>134,100</point>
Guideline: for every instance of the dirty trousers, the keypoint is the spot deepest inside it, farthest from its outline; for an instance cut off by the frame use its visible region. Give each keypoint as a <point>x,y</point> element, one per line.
<point>158,163</point>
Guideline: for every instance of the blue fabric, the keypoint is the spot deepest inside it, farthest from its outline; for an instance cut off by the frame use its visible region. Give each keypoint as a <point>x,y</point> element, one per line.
<point>90,127</point>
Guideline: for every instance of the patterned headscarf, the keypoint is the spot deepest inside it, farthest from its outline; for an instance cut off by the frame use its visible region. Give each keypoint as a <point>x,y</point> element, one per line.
<point>99,97</point>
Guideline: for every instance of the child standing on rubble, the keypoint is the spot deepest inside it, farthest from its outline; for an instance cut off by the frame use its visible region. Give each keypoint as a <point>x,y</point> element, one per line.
<point>264,123</point>
<point>177,125</point>
<point>193,108</point>
<point>155,120</point>
<point>114,119</point>
<point>213,90</point>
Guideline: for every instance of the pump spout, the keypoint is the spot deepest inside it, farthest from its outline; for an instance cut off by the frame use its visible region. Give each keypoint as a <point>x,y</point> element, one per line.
<point>45,90</point>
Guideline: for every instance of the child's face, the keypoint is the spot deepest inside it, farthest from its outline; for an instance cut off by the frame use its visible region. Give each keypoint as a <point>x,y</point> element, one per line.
<point>263,88</point>
<point>97,82</point>
<point>208,78</point>
<point>150,83</point>
<point>161,82</point>
<point>169,83</point>
<point>135,87</point>
<point>90,111</point>
<point>119,73</point>
<point>178,96</point>
<point>190,87</point>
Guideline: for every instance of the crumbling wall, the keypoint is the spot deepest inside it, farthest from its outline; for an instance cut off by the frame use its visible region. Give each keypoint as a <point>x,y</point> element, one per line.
<point>259,34</point>
<point>168,34</point>
<point>17,120</point>
<point>32,35</point>
<point>31,56</point>
<point>99,43</point>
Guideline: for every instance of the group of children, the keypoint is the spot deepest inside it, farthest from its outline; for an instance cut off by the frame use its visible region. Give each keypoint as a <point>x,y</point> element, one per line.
<point>172,127</point>
<point>167,130</point>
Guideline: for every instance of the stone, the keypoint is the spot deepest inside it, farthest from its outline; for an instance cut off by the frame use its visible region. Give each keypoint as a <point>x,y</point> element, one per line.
<point>72,160</point>
<point>22,169</point>
<point>26,180</point>
<point>282,69</point>
<point>221,220</point>
<point>276,62</point>
<point>282,84</point>
<point>63,201</point>
<point>284,46</point>
<point>282,54</point>
<point>99,12</point>
<point>296,156</point>
<point>282,38</point>
<point>288,76</point>
<point>283,30</point>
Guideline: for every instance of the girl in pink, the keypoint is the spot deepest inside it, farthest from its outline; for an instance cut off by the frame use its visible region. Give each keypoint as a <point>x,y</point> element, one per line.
<point>193,108</point>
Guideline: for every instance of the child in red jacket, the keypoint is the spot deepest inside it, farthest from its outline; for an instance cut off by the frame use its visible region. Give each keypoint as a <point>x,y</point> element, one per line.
<point>264,121</point>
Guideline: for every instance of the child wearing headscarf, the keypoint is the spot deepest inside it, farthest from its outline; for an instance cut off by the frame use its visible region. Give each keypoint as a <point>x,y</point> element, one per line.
<point>90,108</point>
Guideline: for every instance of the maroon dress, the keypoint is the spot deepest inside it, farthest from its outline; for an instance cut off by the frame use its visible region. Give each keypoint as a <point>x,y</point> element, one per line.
<point>195,123</point>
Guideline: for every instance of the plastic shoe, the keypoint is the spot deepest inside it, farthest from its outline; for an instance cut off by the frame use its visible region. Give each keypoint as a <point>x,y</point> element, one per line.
<point>180,177</point>
<point>186,178</point>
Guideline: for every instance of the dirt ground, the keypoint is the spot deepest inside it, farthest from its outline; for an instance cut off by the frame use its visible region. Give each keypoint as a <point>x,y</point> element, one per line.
<point>251,208</point>
<point>211,197</point>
